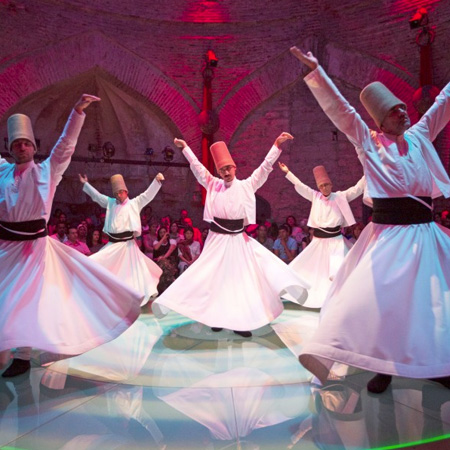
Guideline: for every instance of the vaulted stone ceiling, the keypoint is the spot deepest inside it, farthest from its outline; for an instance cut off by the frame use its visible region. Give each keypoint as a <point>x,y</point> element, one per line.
<point>155,49</point>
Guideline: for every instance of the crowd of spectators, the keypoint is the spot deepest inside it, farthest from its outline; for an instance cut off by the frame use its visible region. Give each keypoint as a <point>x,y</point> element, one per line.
<point>176,244</point>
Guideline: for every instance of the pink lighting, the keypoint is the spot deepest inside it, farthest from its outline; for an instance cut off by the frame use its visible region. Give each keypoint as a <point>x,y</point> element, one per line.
<point>206,12</point>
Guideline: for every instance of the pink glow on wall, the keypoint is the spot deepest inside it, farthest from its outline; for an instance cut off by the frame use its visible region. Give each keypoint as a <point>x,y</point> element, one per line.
<point>410,6</point>
<point>206,12</point>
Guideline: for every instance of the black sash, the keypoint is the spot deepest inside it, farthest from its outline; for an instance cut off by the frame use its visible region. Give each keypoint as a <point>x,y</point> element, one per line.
<point>227,226</point>
<point>327,232</point>
<point>120,237</point>
<point>401,211</point>
<point>10,231</point>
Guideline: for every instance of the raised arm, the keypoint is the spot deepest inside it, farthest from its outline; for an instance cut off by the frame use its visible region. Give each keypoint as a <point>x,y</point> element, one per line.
<point>149,194</point>
<point>260,175</point>
<point>437,117</point>
<point>301,188</point>
<point>356,190</point>
<point>335,106</point>
<point>101,199</point>
<point>61,153</point>
<point>200,172</point>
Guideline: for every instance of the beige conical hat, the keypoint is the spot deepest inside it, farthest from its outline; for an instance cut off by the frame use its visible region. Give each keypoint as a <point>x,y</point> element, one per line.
<point>378,101</point>
<point>321,175</point>
<point>118,184</point>
<point>19,127</point>
<point>221,155</point>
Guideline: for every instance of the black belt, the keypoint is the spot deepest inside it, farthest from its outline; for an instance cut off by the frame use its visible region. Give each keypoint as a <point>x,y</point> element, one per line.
<point>327,232</point>
<point>120,237</point>
<point>401,211</point>
<point>227,226</point>
<point>32,229</point>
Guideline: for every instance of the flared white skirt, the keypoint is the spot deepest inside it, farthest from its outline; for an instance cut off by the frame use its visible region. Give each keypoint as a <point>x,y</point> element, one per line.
<point>236,284</point>
<point>56,299</point>
<point>126,261</point>
<point>388,309</point>
<point>318,263</point>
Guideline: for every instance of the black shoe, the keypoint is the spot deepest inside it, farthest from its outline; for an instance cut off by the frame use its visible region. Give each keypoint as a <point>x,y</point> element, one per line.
<point>245,334</point>
<point>17,367</point>
<point>379,383</point>
<point>216,330</point>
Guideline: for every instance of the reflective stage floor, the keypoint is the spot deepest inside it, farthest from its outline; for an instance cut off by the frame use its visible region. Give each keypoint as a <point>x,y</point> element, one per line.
<point>174,384</point>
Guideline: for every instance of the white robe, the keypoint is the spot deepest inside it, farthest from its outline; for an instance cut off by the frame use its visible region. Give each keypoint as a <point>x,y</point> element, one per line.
<point>236,283</point>
<point>388,309</point>
<point>51,296</point>
<point>322,258</point>
<point>125,259</point>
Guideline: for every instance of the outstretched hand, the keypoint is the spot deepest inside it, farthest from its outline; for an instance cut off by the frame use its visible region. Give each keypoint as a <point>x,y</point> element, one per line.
<point>84,101</point>
<point>282,137</point>
<point>179,143</point>
<point>308,59</point>
<point>83,178</point>
<point>283,167</point>
<point>160,177</point>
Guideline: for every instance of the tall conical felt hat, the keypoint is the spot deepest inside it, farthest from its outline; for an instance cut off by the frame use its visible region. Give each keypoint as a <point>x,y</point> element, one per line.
<point>378,101</point>
<point>321,175</point>
<point>118,184</point>
<point>221,155</point>
<point>19,127</point>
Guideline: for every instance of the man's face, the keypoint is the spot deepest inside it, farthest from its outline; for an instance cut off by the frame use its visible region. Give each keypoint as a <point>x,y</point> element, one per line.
<point>325,188</point>
<point>184,214</point>
<point>22,150</point>
<point>262,232</point>
<point>73,235</point>
<point>121,195</point>
<point>283,234</point>
<point>227,173</point>
<point>61,229</point>
<point>397,121</point>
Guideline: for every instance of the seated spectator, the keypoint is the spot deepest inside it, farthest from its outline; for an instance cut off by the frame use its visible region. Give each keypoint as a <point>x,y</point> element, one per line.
<point>94,241</point>
<point>75,243</point>
<point>251,230</point>
<point>285,247</point>
<point>183,214</point>
<point>188,250</point>
<point>174,233</point>
<point>308,238</point>
<point>149,238</point>
<point>197,232</point>
<point>166,222</point>
<point>60,232</point>
<point>165,248</point>
<point>261,237</point>
<point>273,231</point>
<point>82,232</point>
<point>296,232</point>
<point>205,232</point>
<point>54,219</point>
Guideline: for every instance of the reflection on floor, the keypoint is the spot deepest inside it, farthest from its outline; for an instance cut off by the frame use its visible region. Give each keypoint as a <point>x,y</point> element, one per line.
<point>175,384</point>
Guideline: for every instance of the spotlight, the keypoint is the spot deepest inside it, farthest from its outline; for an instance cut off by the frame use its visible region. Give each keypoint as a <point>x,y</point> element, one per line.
<point>168,154</point>
<point>149,151</point>
<point>211,58</point>
<point>419,19</point>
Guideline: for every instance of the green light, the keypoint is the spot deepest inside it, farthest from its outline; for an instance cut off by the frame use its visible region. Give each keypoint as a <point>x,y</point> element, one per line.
<point>410,444</point>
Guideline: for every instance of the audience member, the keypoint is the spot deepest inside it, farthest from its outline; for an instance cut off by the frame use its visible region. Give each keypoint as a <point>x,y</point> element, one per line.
<point>75,243</point>
<point>285,247</point>
<point>94,241</point>
<point>188,250</point>
<point>60,232</point>
<point>261,237</point>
